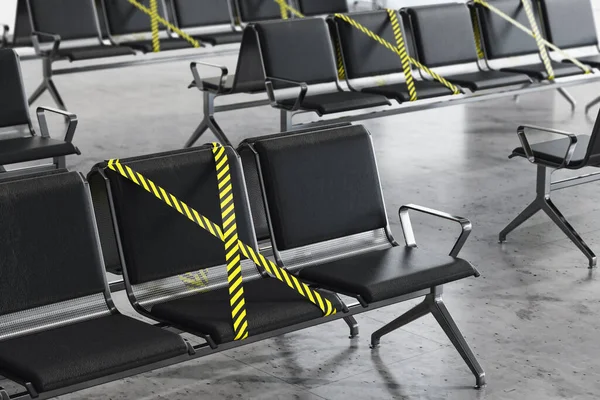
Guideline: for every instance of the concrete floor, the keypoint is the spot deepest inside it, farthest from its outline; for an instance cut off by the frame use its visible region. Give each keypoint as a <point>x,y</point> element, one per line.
<point>532,317</point>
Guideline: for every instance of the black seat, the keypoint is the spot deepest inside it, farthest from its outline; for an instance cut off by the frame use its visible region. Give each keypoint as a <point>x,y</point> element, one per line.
<point>560,16</point>
<point>124,19</point>
<point>172,247</point>
<point>71,20</point>
<point>365,58</point>
<point>502,40</point>
<point>385,274</point>
<point>435,27</point>
<point>328,223</point>
<point>211,15</point>
<point>300,51</point>
<point>319,7</point>
<point>257,10</point>
<point>15,112</point>
<point>58,328</point>
<point>552,153</point>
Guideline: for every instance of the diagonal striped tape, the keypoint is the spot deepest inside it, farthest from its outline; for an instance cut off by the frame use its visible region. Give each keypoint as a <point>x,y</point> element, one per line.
<point>477,34</point>
<point>247,251</point>
<point>285,7</point>
<point>391,47</point>
<point>237,300</point>
<point>164,22</point>
<point>538,39</point>
<point>154,26</point>
<point>410,81</point>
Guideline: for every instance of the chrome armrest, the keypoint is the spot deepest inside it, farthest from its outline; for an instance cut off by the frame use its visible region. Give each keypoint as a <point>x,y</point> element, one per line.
<point>55,41</point>
<point>409,235</point>
<point>271,91</point>
<point>71,122</point>
<point>198,81</point>
<point>521,132</point>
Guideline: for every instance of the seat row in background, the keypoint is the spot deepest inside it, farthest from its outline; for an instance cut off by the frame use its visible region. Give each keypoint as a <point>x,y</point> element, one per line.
<point>54,295</point>
<point>295,63</point>
<point>83,30</point>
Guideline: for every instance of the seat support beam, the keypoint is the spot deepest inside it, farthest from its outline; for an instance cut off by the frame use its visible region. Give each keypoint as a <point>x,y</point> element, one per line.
<point>434,304</point>
<point>542,202</point>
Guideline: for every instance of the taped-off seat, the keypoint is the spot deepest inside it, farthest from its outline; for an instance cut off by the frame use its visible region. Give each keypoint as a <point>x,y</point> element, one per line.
<point>209,15</point>
<point>57,325</point>
<point>175,270</point>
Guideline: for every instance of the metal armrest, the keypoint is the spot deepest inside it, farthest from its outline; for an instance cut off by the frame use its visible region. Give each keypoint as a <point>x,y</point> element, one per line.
<point>271,91</point>
<point>55,40</point>
<point>71,122</point>
<point>529,152</point>
<point>409,235</point>
<point>198,81</point>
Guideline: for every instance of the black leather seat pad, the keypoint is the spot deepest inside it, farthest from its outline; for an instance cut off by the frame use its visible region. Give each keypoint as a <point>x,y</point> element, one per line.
<point>538,71</point>
<point>219,38</point>
<point>93,52</point>
<point>31,148</point>
<point>330,103</point>
<point>86,350</point>
<point>385,274</point>
<point>552,152</point>
<point>399,91</point>
<point>165,44</point>
<point>482,80</point>
<point>270,305</point>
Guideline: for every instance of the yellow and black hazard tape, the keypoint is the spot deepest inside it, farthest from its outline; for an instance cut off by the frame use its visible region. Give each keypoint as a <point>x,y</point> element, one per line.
<point>247,251</point>
<point>477,34</point>
<point>393,48</point>
<point>195,280</point>
<point>154,25</point>
<point>157,19</point>
<point>285,8</point>
<point>538,39</point>
<point>232,249</point>
<point>528,31</point>
<point>408,76</point>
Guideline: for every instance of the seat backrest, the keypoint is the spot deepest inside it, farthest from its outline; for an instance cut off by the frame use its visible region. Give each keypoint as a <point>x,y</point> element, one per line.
<point>71,19</point>
<point>502,39</point>
<point>158,244</point>
<point>257,10</point>
<point>51,269</point>
<point>569,23</point>
<point>22,29</point>
<point>593,150</point>
<point>123,18</point>
<point>443,34</point>
<point>320,7</point>
<point>364,56</point>
<point>13,101</point>
<point>321,187</point>
<point>197,13</point>
<point>249,74</point>
<point>298,49</point>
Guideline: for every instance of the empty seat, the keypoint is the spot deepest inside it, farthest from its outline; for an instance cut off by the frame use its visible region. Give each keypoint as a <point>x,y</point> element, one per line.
<point>172,248</point>
<point>213,15</point>
<point>443,36</point>
<point>502,40</point>
<point>319,7</point>
<point>71,20</point>
<point>365,58</point>
<point>257,10</point>
<point>15,112</point>
<point>561,16</point>
<point>300,52</point>
<point>58,327</point>
<point>328,223</point>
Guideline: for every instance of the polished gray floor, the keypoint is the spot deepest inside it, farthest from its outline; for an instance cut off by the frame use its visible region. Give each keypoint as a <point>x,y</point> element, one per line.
<point>532,317</point>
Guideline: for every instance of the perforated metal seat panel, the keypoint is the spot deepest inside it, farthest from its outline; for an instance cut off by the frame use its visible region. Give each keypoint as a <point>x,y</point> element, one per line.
<point>92,52</point>
<point>165,44</point>
<point>220,38</point>
<point>482,80</point>
<point>330,103</point>
<point>33,148</point>
<point>399,91</point>
<point>552,152</point>
<point>385,274</point>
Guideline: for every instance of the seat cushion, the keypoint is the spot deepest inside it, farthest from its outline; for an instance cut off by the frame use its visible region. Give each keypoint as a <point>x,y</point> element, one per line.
<point>399,91</point>
<point>165,44</point>
<point>32,148</point>
<point>592,61</point>
<point>385,274</point>
<point>538,71</point>
<point>220,38</point>
<point>93,52</point>
<point>552,152</point>
<point>270,305</point>
<point>86,350</point>
<point>482,80</point>
<point>212,84</point>
<point>330,103</point>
